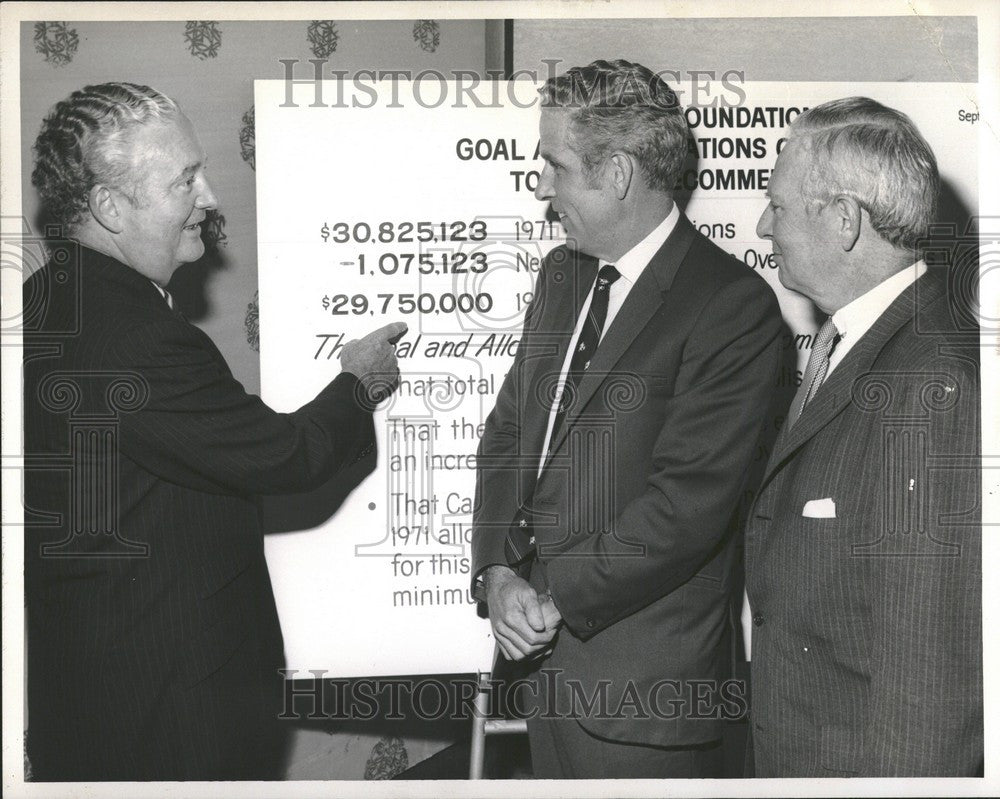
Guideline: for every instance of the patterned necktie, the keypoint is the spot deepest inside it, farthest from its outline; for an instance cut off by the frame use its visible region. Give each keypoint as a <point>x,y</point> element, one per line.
<point>819,363</point>
<point>586,345</point>
<point>520,543</point>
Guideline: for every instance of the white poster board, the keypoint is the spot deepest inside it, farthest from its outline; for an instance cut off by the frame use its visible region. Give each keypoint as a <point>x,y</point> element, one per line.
<point>380,202</point>
<point>394,211</point>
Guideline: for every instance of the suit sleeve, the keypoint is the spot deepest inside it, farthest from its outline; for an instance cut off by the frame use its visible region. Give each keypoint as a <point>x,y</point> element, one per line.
<point>700,462</point>
<point>926,694</point>
<point>199,428</point>
<point>499,458</point>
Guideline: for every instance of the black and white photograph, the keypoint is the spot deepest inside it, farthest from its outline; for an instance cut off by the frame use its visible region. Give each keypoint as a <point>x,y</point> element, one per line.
<point>500,398</point>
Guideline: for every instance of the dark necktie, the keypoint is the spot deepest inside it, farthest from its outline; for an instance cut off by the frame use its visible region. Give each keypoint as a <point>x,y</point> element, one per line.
<point>586,345</point>
<point>520,543</point>
<point>172,306</point>
<point>819,363</point>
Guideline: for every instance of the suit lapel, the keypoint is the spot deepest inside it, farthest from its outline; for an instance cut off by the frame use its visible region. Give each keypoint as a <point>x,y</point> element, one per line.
<point>567,290</point>
<point>643,301</point>
<point>128,285</point>
<point>132,287</point>
<point>837,392</point>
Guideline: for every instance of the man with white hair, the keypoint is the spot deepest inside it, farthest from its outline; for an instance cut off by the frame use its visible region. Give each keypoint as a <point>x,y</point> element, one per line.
<point>863,545</point>
<point>153,642</point>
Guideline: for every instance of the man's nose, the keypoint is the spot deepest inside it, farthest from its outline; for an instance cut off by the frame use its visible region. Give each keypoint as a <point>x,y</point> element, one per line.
<point>544,191</point>
<point>206,197</point>
<point>764,223</point>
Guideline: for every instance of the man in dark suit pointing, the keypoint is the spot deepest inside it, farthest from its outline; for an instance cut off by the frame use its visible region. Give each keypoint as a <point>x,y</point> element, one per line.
<point>611,466</point>
<point>863,546</point>
<point>153,640</point>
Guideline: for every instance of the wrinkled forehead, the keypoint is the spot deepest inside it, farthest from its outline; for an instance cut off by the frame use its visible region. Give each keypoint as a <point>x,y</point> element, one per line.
<point>554,122</point>
<point>163,147</point>
<point>559,131</point>
<point>160,136</point>
<point>790,170</point>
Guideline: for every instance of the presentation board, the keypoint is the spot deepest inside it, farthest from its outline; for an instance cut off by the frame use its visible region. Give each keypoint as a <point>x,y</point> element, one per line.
<point>385,201</point>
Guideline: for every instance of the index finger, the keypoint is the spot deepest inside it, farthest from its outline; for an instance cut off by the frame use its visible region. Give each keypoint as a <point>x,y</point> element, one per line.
<point>392,332</point>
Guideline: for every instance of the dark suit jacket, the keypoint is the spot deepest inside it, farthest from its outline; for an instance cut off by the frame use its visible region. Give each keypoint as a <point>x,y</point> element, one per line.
<point>633,515</point>
<point>153,641</point>
<point>867,649</point>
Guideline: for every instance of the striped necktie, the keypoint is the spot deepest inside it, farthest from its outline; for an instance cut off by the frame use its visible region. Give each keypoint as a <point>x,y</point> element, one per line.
<point>819,363</point>
<point>586,345</point>
<point>519,545</point>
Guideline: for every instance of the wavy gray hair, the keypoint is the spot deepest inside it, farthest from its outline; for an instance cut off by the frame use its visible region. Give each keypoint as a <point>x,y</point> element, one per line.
<point>875,154</point>
<point>84,141</point>
<point>620,105</point>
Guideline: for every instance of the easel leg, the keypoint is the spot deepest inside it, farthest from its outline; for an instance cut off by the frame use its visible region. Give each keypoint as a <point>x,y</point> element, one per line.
<point>480,711</point>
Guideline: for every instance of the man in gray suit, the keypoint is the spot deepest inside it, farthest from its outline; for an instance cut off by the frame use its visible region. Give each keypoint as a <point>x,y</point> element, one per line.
<point>863,545</point>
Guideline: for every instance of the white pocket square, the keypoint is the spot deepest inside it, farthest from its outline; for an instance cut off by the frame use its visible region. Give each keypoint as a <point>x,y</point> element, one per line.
<point>820,509</point>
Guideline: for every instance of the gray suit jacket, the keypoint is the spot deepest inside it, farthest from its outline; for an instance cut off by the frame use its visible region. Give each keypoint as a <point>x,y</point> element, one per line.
<point>867,646</point>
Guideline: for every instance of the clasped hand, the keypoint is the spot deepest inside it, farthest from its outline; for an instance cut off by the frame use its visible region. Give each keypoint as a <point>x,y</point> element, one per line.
<point>524,621</point>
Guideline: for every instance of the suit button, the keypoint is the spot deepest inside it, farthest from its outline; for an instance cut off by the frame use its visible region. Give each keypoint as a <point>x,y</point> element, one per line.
<point>758,619</point>
<point>591,624</point>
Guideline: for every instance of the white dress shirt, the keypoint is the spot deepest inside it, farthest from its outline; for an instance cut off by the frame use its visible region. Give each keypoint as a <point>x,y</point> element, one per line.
<point>856,318</point>
<point>629,266</point>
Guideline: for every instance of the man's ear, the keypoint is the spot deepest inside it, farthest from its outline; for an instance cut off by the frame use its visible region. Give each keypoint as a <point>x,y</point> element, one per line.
<point>848,218</point>
<point>622,171</point>
<point>105,206</point>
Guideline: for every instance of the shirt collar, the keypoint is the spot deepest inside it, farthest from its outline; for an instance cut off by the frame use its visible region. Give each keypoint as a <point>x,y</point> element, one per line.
<point>632,263</point>
<point>854,319</point>
<point>164,293</point>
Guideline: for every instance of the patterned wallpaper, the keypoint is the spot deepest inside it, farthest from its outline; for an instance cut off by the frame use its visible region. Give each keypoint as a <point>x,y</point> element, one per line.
<point>209,68</point>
